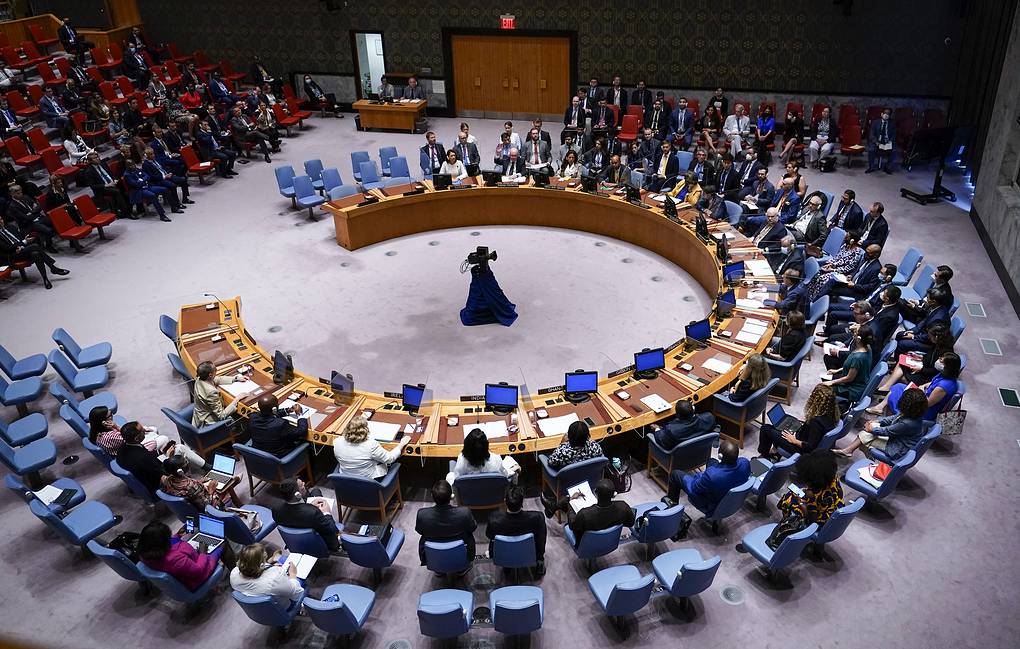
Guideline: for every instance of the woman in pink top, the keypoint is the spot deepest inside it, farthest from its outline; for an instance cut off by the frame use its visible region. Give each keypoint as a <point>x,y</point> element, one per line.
<point>174,556</point>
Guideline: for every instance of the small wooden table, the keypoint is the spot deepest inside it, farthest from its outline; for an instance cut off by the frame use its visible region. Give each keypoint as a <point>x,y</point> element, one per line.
<point>397,116</point>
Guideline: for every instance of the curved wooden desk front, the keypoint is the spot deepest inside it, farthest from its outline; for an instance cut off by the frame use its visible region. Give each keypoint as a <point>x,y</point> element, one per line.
<point>215,332</point>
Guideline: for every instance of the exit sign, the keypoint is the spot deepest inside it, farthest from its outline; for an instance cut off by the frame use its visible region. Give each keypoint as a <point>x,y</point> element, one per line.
<point>508,21</point>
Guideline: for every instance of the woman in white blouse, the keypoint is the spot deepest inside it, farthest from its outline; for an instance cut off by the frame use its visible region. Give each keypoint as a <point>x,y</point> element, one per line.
<point>570,168</point>
<point>466,129</point>
<point>258,573</point>
<point>453,166</point>
<point>358,455</point>
<point>75,146</point>
<point>476,458</point>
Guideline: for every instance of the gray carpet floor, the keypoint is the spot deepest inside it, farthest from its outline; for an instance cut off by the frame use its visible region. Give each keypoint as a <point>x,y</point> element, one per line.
<point>935,566</point>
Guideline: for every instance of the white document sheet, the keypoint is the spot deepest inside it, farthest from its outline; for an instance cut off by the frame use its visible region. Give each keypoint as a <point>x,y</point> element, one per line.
<point>744,303</point>
<point>557,425</point>
<point>492,429</point>
<point>237,388</point>
<point>381,431</point>
<point>716,365</point>
<point>656,403</point>
<point>586,499</point>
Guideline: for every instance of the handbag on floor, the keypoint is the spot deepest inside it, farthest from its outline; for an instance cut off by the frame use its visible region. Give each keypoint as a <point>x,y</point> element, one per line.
<point>952,421</point>
<point>617,472</point>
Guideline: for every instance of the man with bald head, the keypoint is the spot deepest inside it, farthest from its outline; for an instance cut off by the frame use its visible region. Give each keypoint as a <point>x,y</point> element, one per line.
<point>513,166</point>
<point>271,433</point>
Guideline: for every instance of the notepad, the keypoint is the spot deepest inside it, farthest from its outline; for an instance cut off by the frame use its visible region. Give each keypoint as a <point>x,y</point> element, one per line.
<point>557,425</point>
<point>659,198</point>
<point>48,494</point>
<point>237,388</point>
<point>492,429</point>
<point>752,326</point>
<point>302,562</point>
<point>656,403</point>
<point>587,498</point>
<point>510,464</point>
<point>745,303</point>
<point>840,277</point>
<point>382,431</point>
<point>757,267</point>
<point>717,366</point>
<point>749,337</point>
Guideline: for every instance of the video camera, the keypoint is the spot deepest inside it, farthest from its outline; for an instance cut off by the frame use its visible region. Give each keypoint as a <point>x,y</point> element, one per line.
<point>480,258</point>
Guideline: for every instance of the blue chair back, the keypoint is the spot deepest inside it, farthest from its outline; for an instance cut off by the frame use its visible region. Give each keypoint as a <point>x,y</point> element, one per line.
<point>235,529</point>
<point>396,180</point>
<point>47,516</point>
<point>331,178</point>
<point>284,177</point>
<point>683,159</point>
<point>830,438</point>
<point>445,619</point>
<point>853,415</point>
<point>955,306</point>
<point>180,369</point>
<point>908,266</point>
<point>834,241</point>
<point>265,610</point>
<point>174,589</point>
<point>838,522</point>
<point>168,326</point>
<point>776,477</point>
<point>369,172</point>
<point>924,280</point>
<point>116,560</point>
<point>876,376</point>
<point>97,452</point>
<point>399,168</point>
<point>357,157</point>
<point>303,541</point>
<point>64,367</point>
<point>589,471</point>
<point>342,191</point>
<point>816,312</point>
<point>313,168</point>
<point>303,187</point>
<point>792,547</point>
<point>74,420</point>
<point>688,454</point>
<point>828,202</point>
<point>7,362</point>
<point>61,394</point>
<point>733,212</point>
<point>480,490</point>
<point>356,491</point>
<point>598,543</point>
<point>926,442</point>
<point>182,420</point>
<point>268,467</point>
<point>899,469</point>
<point>629,597</point>
<point>660,524</point>
<point>179,506</point>
<point>386,154</point>
<point>446,557</point>
<point>956,327</point>
<point>732,501</point>
<point>514,551</point>
<point>637,178</point>
<point>365,551</point>
<point>133,483</point>
<point>68,344</point>
<point>517,616</point>
<point>695,577</point>
<point>810,268</point>
<point>332,617</point>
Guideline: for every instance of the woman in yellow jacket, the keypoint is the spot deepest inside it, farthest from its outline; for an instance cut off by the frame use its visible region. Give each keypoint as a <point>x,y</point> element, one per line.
<point>687,190</point>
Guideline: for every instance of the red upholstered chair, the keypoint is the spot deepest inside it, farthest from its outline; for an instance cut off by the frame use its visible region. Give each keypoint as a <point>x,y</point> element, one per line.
<point>68,229</point>
<point>906,121</point>
<point>848,138</point>
<point>16,147</point>
<point>638,111</point>
<point>90,136</point>
<point>288,91</point>
<point>116,53</point>
<point>57,167</point>
<point>40,37</point>
<point>695,106</point>
<point>41,143</point>
<point>102,60</point>
<point>21,107</point>
<point>109,93</point>
<point>229,73</point>
<point>629,130</point>
<point>91,215</point>
<point>285,120</point>
<point>294,106</point>
<point>796,107</point>
<point>13,60</point>
<point>203,64</point>
<point>816,112</point>
<point>616,114</point>
<point>874,112</point>
<point>144,106</point>
<point>761,107</point>
<point>35,91</point>
<point>177,56</point>
<point>194,165</point>
<point>45,72</point>
<point>32,52</point>
<point>126,87</point>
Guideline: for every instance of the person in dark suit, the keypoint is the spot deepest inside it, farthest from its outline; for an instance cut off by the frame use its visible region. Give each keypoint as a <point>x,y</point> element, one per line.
<point>701,168</point>
<point>271,433</point>
<point>617,96</point>
<point>211,149</point>
<point>574,119</point>
<point>596,159</point>
<point>792,294</point>
<point>259,74</point>
<point>444,522</point>
<point>166,157</point>
<point>840,313</point>
<point>536,152</point>
<point>604,514</point>
<point>881,141</point>
<point>16,246</point>
<point>513,166</point>
<point>747,171</point>
<point>914,310</point>
<point>160,175</point>
<point>728,179</point>
<point>602,120</point>
<point>771,232</point>
<point>887,317</point>
<point>686,424</point>
<point>656,118</point>
<point>219,90</point>
<point>794,256</point>
<point>664,169</point>
<point>135,68</point>
<point>712,203</point>
<point>137,460</point>
<point>72,42</point>
<point>705,489</point>
<point>104,186</point>
<point>588,103</point>
<point>681,124</point>
<point>787,346</point>
<point>413,90</point>
<point>295,512</point>
<point>875,229</point>
<point>641,96</point>
<point>810,226</point>
<point>10,125</point>
<point>71,98</point>
<point>916,339</point>
<point>140,191</point>
<point>848,214</point>
<point>863,316</point>
<point>431,155</point>
<point>468,154</point>
<point>595,93</point>
<point>863,282</point>
<point>762,191</point>
<point>243,131</point>
<point>53,111</point>
<point>616,173</point>
<point>787,201</point>
<point>30,217</point>
<point>516,521</point>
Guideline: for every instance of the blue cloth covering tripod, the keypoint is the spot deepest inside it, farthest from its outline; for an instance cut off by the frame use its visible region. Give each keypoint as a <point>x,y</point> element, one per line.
<point>486,302</point>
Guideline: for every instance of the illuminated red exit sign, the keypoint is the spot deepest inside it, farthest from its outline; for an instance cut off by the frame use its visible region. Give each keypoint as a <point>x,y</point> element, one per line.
<point>508,21</point>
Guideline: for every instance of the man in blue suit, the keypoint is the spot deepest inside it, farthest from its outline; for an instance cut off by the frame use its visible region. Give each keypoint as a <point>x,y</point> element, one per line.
<point>431,156</point>
<point>681,123</point>
<point>787,201</point>
<point>219,90</point>
<point>916,339</point>
<point>160,175</point>
<point>686,425</point>
<point>53,112</point>
<point>72,42</point>
<point>881,140</point>
<point>841,312</point>
<point>792,294</point>
<point>139,189</point>
<point>705,489</point>
<point>859,285</point>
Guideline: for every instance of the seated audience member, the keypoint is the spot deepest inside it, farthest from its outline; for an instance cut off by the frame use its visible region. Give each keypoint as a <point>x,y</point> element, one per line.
<point>862,283</point>
<point>712,203</point>
<point>319,98</point>
<point>938,392</point>
<point>71,98</point>
<point>596,159</point>
<point>792,294</point>
<point>265,123</point>
<point>897,434</point>
<point>115,127</point>
<point>709,126</point>
<point>466,129</point>
<point>605,513</point>
<point>312,514</point>
<point>30,217</point>
<point>574,119</point>
<point>839,313</point>
<point>244,131</point>
<point>502,150</point>
<point>10,125</point>
<point>105,188</point>
<point>211,149</point>
<point>753,376</point>
<point>271,432</point>
<point>681,124</point>
<point>386,88</point>
<point>454,167</point>
<point>160,551</point>
<point>616,173</point>
<point>15,246</point>
<point>219,90</point>
<point>850,380</point>
<point>810,226</point>
<point>918,374</point>
<point>736,128</point>
<point>702,168</point>
<point>467,153</point>
<point>56,196</point>
<point>443,522</point>
<point>106,434</point>
<point>687,190</point>
<point>164,154</point>
<point>578,446</point>
<point>359,455</point>
<point>820,416</point>
<point>823,494</point>
<point>516,521</point>
<point>846,262</point>
<point>790,256</point>
<point>758,192</point>
<point>53,111</point>
<point>259,573</point>
<point>793,131</point>
<point>656,119</point>
<point>138,460</point>
<point>915,339</point>
<point>162,176</point>
<point>431,156</point>
<point>537,153</point>
<point>664,169</point>
<point>824,135</point>
<point>570,168</point>
<point>142,191</point>
<point>98,109</point>
<point>915,310</point>
<point>793,338</point>
<point>875,229</point>
<point>259,74</point>
<point>792,172</point>
<point>686,424</point>
<point>413,90</point>
<point>514,169</point>
<point>191,99</point>
<point>706,488</point>
<point>198,493</point>
<point>476,458</point>
<point>209,407</point>
<point>881,141</point>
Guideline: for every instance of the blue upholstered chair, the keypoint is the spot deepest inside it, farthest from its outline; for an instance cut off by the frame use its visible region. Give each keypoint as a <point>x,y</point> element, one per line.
<point>91,356</point>
<point>773,479</point>
<point>181,370</point>
<point>517,610</point>
<point>119,563</point>
<point>342,191</point>
<point>179,506</point>
<point>621,591</point>
<point>370,176</point>
<point>816,313</point>
<point>357,157</point>
<point>202,440</point>
<point>369,552</point>
<point>313,169</point>
<point>236,530</point>
<point>105,458</point>
<point>446,558</point>
<point>17,369</point>
<point>268,610</point>
<point>480,490</point>
<point>733,212</point>
<point>920,286</point>
<point>836,525</point>
<point>331,179</point>
<point>168,327</point>
<point>874,494</point>
<point>810,269</point>
<point>303,540</point>
<point>386,154</point>
<point>445,613</point>
<point>514,552</point>
<point>742,412</point>
<point>922,446</point>
<point>24,430</point>
<point>86,381</point>
<point>133,484</point>
<point>688,454</point>
<point>788,372</point>
<point>684,573</point>
<point>661,523</point>
<point>26,461</point>
<point>729,504</point>
<point>594,543</point>
<point>399,168</point>
<point>20,393</point>
<point>305,195</point>
<point>956,327</point>
<point>344,617</point>
<point>82,524</point>
<point>270,469</point>
<point>175,590</point>
<point>853,416</point>
<point>382,496</point>
<point>22,490</point>
<point>830,438</point>
<point>684,158</point>
<point>559,480</point>
<point>911,261</point>
<point>84,406</point>
<point>877,374</point>
<point>833,242</point>
<point>393,181</point>
<point>776,561</point>
<point>829,202</point>
<point>637,178</point>
<point>285,182</point>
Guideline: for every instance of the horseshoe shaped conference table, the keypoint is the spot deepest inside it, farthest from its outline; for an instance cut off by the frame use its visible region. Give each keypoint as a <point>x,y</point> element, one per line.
<point>215,331</point>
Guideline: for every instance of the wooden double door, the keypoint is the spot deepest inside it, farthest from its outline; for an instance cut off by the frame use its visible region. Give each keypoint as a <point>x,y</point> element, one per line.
<point>510,77</point>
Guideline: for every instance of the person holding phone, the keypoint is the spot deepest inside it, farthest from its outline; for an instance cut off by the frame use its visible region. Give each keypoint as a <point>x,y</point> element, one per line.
<point>821,494</point>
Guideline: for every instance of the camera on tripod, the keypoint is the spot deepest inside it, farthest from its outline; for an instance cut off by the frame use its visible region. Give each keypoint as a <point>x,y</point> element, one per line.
<point>480,258</point>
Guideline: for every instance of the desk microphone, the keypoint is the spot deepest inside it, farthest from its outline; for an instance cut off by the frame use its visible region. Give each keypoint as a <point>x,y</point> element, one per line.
<point>226,311</point>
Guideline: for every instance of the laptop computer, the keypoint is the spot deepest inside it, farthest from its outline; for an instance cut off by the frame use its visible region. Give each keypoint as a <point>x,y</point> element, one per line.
<point>784,422</point>
<point>222,468</point>
<point>210,532</point>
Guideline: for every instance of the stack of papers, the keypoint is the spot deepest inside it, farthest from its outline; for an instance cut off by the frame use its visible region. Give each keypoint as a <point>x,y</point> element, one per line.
<point>48,494</point>
<point>303,562</point>
<point>492,429</point>
<point>510,464</point>
<point>656,403</point>
<point>237,388</point>
<point>659,198</point>
<point>381,431</point>
<point>557,425</point>
<point>586,499</point>
<point>757,267</point>
<point>866,475</point>
<point>745,303</point>
<point>716,365</point>
<point>752,331</point>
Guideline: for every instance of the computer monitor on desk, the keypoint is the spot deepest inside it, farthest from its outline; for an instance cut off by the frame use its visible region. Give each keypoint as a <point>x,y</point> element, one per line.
<point>589,184</point>
<point>442,181</point>
<point>698,332</point>
<point>500,398</point>
<point>342,386</point>
<point>373,97</point>
<point>701,226</point>
<point>579,385</point>
<point>648,362</point>
<point>725,304</point>
<point>634,193</point>
<point>411,396</point>
<point>733,272</point>
<point>283,368</point>
<point>491,178</point>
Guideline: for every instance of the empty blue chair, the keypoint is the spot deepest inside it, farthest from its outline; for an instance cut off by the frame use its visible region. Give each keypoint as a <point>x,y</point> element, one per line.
<point>773,479</point>
<point>399,168</point>
<point>304,540</point>
<point>852,477</point>
<point>595,543</point>
<point>396,180</point>
<point>174,589</point>
<point>133,484</point>
<point>788,372</point>
<point>342,191</point>
<point>236,530</point>
<point>179,506</point>
<point>84,406</point>
<point>733,212</point>
<point>956,327</point>
<point>729,504</point>
<point>816,313</point>
<point>684,158</point>
<point>313,169</point>
<point>285,182</point>
<point>517,610</point>
<point>82,524</point>
<point>18,487</point>
<point>91,356</point>
<point>908,266</point>
<point>267,610</point>
<point>637,178</point>
<point>26,461</point>
<point>688,454</point>
<point>661,523</point>
<point>445,613</point>
<point>836,525</point>
<point>370,176</point>
<point>346,615</point>
<point>684,573</point>
<point>742,412</point>
<point>118,562</point>
<point>920,285</point>
<point>386,154</point>
<point>480,490</point>
<point>305,195</point>
<point>168,327</point>
<point>810,269</point>
<point>331,179</point>
<point>776,561</point>
<point>828,202</point>
<point>34,365</point>
<point>369,552</point>
<point>269,469</point>
<point>25,430</point>
<point>833,242</point>
<point>514,552</point>
<point>20,393</point>
<point>446,558</point>
<point>830,438</point>
<point>559,480</point>
<point>181,370</point>
<point>202,440</point>
<point>98,453</point>
<point>381,496</point>
<point>620,591</point>
<point>357,157</point>
<point>85,381</point>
